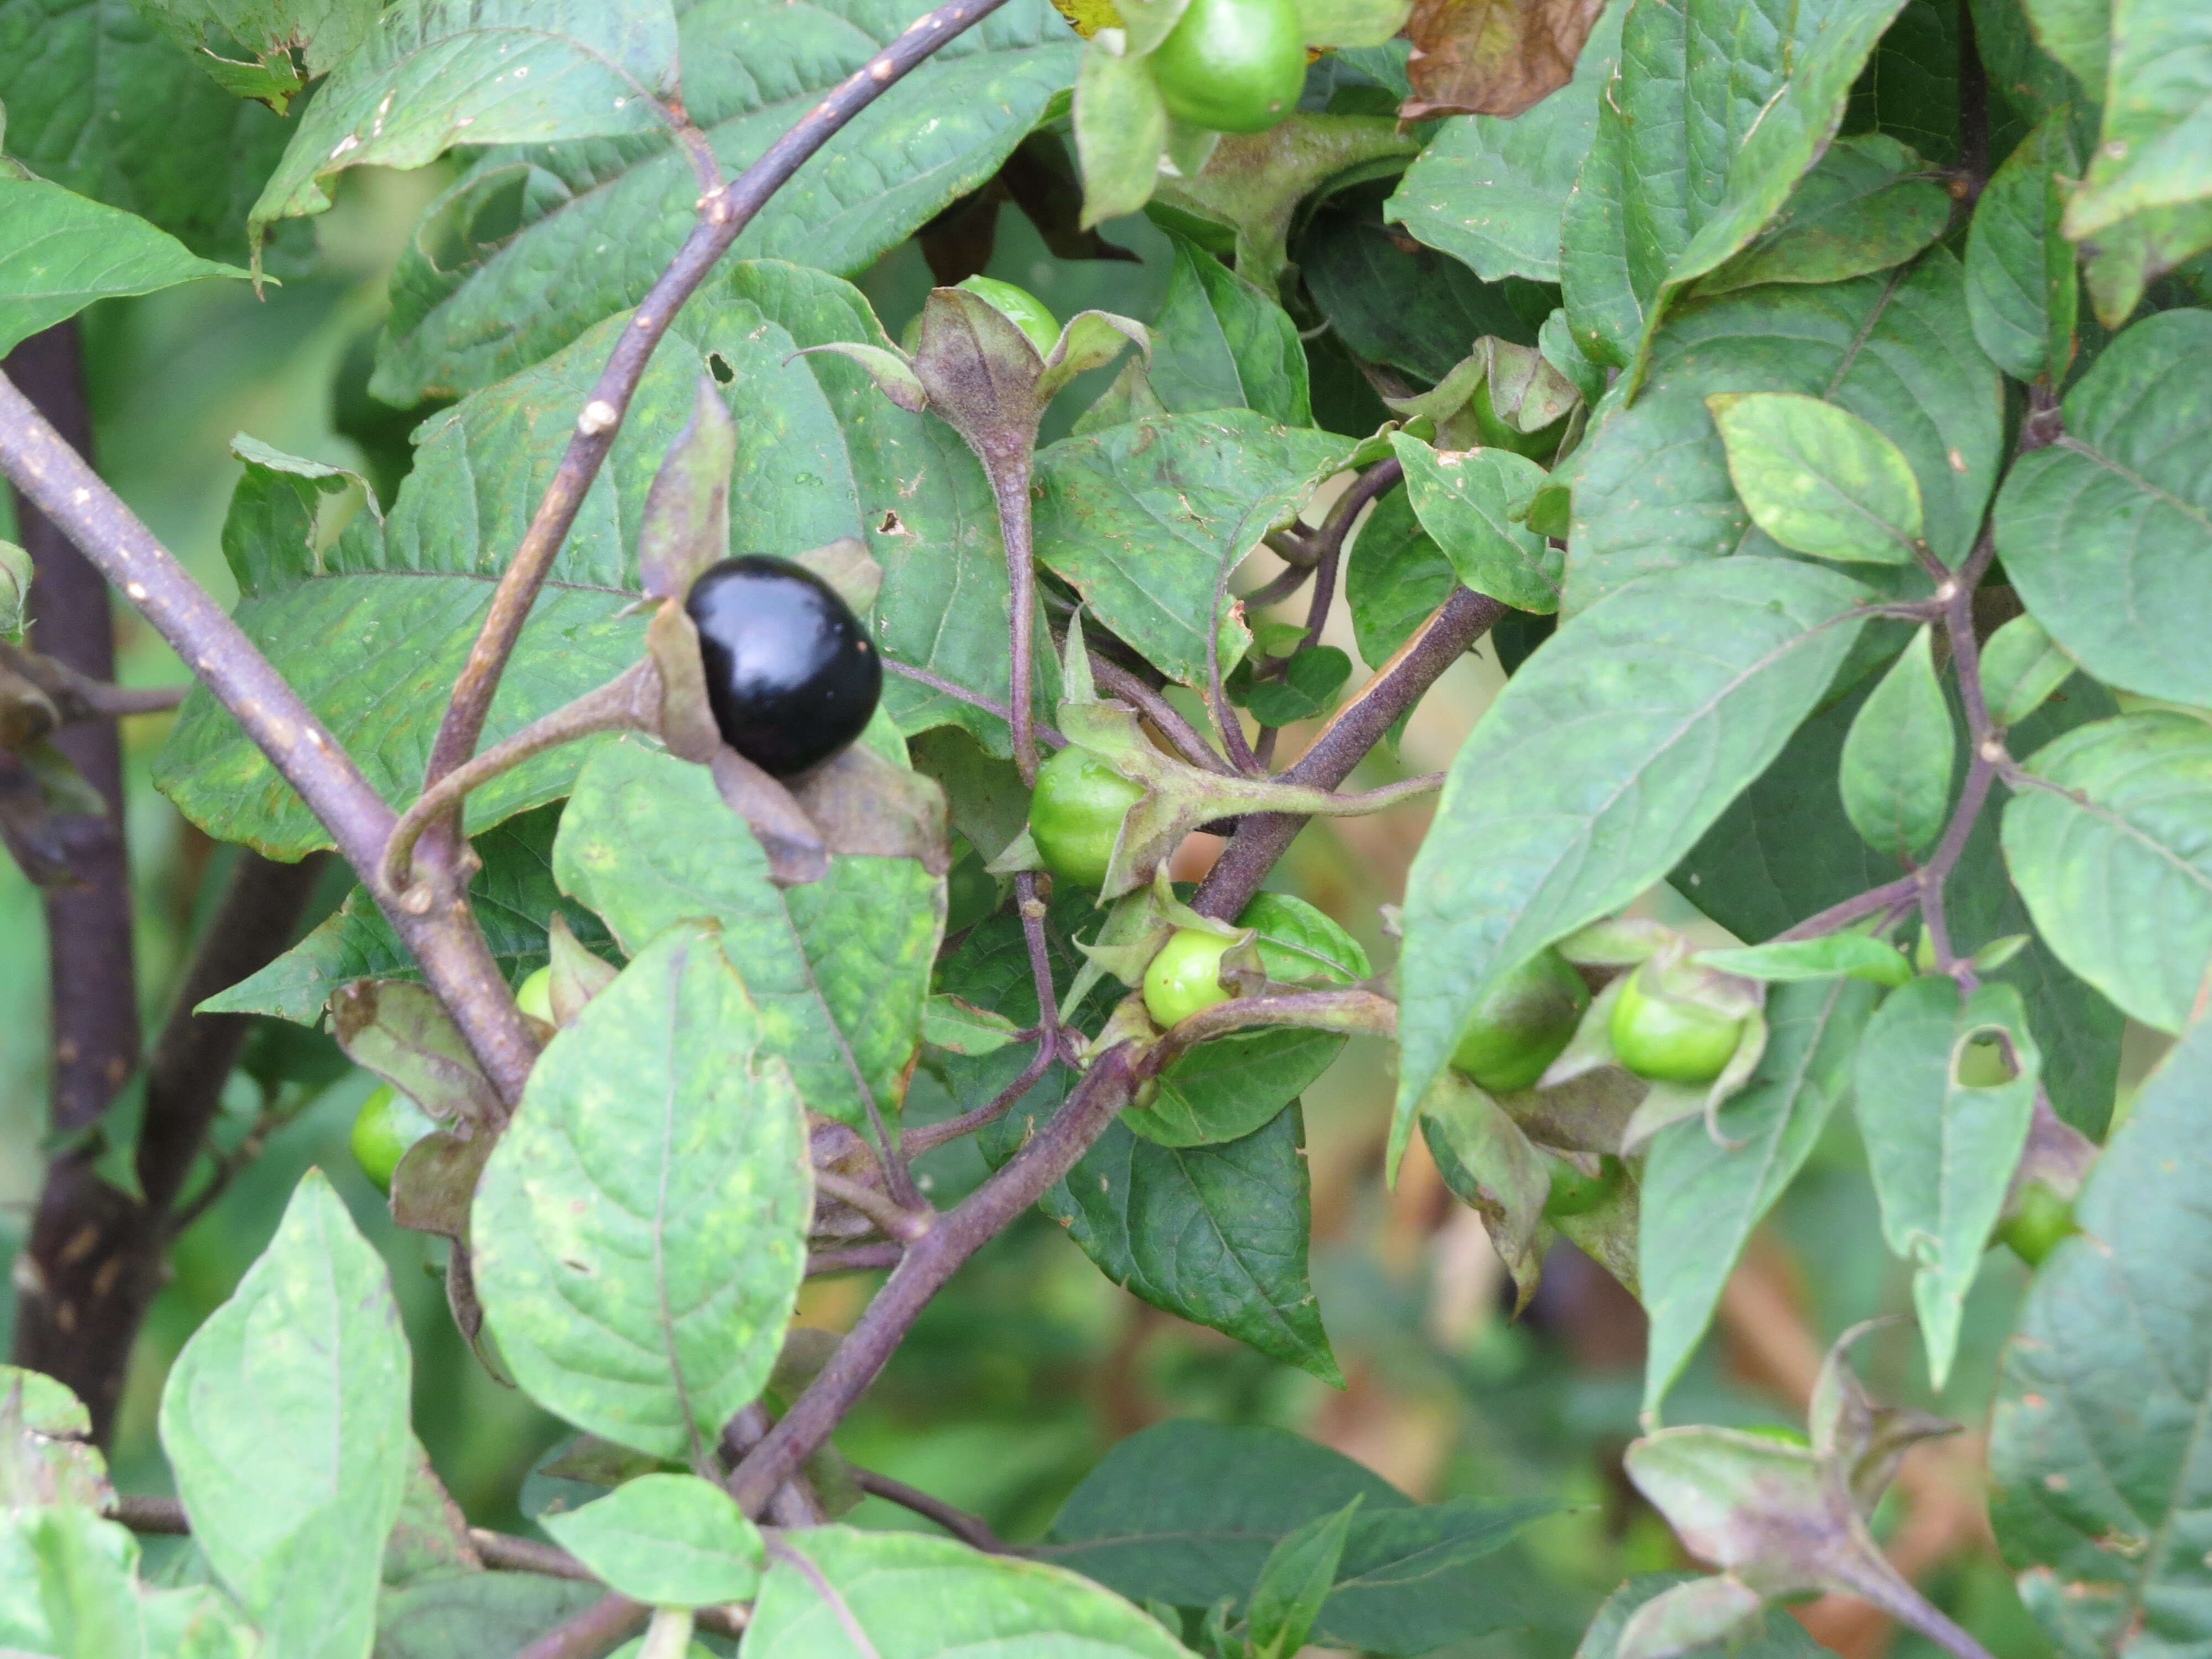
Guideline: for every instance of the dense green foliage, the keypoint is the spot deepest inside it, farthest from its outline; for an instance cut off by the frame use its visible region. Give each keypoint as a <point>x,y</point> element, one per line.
<point>1106,1093</point>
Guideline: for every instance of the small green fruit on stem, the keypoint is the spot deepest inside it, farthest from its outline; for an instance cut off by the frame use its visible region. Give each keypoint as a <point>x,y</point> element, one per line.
<point>2033,1229</point>
<point>1076,814</point>
<point>534,996</point>
<point>1232,65</point>
<point>1663,1039</point>
<point>1186,976</point>
<point>1522,1027</point>
<point>1574,1192</point>
<point>1020,307</point>
<point>387,1124</point>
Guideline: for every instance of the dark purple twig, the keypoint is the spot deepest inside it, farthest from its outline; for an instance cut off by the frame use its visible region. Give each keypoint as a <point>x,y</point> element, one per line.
<point>592,1632</point>
<point>1890,895</point>
<point>853,1258</point>
<point>1358,726</point>
<point>919,1140</point>
<point>1104,1091</point>
<point>1118,681</point>
<point>906,670</point>
<point>970,1530</point>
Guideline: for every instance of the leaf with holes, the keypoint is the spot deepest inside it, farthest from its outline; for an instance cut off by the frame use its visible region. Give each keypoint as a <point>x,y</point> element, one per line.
<point>1944,1131</point>
<point>641,1226</point>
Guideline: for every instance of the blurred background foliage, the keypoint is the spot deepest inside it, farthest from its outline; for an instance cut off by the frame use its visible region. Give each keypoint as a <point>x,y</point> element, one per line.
<point>1021,1375</point>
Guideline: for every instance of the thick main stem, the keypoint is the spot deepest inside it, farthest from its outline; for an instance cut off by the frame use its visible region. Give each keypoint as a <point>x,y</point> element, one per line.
<point>446,940</point>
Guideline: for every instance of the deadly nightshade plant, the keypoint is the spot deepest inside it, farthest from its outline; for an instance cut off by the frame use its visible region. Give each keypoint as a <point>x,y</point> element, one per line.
<point>1846,585</point>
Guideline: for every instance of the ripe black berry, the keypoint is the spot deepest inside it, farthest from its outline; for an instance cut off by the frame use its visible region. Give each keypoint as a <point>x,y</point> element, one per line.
<point>792,677</point>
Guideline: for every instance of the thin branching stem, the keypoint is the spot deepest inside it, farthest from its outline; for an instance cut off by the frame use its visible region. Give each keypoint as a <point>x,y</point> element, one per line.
<point>723,215</point>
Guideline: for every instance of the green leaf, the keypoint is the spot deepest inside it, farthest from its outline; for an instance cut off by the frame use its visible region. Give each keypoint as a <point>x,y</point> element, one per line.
<point>101,104</point>
<point>1859,209</point>
<point>2093,1450</point>
<point>1394,303</point>
<point>1394,577</point>
<point>1785,851</point>
<point>1858,955</point>
<point>65,250</point>
<point>1474,504</point>
<point>963,1028</point>
<point>1230,1087</point>
<point>321,31</point>
<point>1896,767</point>
<point>1219,343</point>
<point>1307,690</point>
<point>2155,148</point>
<point>481,292</point>
<point>640,1228</point>
<point>1491,191</point>
<point>1144,519</point>
<point>514,900</point>
<point>1120,128</point>
<point>1785,1639</point>
<point>2021,290</point>
<point>2021,667</point>
<point>2112,836</point>
<point>476,1613</point>
<point>1255,183</point>
<point>1943,1150</point>
<point>1818,479</point>
<point>1652,488</point>
<point>669,1540</point>
<point>834,1593</point>
<point>1216,1234</point>
<point>285,1421</point>
<point>1688,166</point>
<point>1598,766</point>
<point>1702,1199</point>
<point>434,73</point>
<point>2126,257</point>
<point>69,1589</point>
<point>2107,532</point>
<point>373,629</point>
<point>1188,1512</point>
<point>1490,1165</point>
<point>838,969</point>
<point>1299,1573</point>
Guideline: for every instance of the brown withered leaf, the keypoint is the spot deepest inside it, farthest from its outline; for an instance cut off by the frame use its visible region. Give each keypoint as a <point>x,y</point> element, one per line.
<point>435,1182</point>
<point>862,803</point>
<point>401,1032</point>
<point>1492,57</point>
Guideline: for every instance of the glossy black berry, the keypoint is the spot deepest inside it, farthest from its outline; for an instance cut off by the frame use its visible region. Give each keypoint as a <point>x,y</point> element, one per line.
<point>792,676</point>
